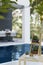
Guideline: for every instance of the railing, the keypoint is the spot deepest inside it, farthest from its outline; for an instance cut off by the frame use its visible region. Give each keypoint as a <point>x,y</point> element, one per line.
<point>7,33</point>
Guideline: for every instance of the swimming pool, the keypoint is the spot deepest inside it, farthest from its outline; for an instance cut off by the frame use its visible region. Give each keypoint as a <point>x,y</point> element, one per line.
<point>12,52</point>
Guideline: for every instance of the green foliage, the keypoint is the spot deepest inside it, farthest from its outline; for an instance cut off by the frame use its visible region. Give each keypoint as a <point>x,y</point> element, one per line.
<point>35,48</point>
<point>39,8</point>
<point>2,17</point>
<point>35,39</point>
<point>38,5</point>
<point>3,10</point>
<point>6,4</point>
<point>5,1</point>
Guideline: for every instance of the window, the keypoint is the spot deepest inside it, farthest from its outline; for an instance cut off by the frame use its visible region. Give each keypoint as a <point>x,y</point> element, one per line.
<point>17,23</point>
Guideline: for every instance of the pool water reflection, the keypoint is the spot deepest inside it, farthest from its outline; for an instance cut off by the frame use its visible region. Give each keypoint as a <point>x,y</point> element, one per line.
<point>9,53</point>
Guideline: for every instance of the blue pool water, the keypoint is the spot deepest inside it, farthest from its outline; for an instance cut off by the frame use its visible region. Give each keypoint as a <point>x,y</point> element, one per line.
<point>9,53</point>
<point>13,52</point>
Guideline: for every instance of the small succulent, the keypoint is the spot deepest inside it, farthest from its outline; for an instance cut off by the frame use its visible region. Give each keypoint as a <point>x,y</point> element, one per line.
<point>35,39</point>
<point>27,52</point>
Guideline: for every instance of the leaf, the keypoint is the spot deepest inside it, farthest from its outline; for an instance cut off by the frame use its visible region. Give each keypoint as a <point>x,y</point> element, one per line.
<point>2,17</point>
<point>38,5</point>
<point>5,1</point>
<point>6,5</point>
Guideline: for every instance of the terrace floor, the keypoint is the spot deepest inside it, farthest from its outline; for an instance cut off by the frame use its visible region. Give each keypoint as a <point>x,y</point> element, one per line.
<point>30,60</point>
<point>17,63</point>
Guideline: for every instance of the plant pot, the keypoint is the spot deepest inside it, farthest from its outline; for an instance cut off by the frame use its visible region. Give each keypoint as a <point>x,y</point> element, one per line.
<point>35,52</point>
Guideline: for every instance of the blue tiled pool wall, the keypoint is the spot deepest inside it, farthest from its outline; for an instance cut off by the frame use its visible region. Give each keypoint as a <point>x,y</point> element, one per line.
<point>5,54</point>
<point>9,53</point>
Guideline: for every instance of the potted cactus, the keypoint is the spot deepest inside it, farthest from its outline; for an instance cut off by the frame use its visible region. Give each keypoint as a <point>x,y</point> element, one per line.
<point>27,52</point>
<point>35,50</point>
<point>35,39</point>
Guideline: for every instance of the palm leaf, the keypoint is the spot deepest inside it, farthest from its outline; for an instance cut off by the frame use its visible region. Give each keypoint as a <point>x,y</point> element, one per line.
<point>39,8</point>
<point>6,5</point>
